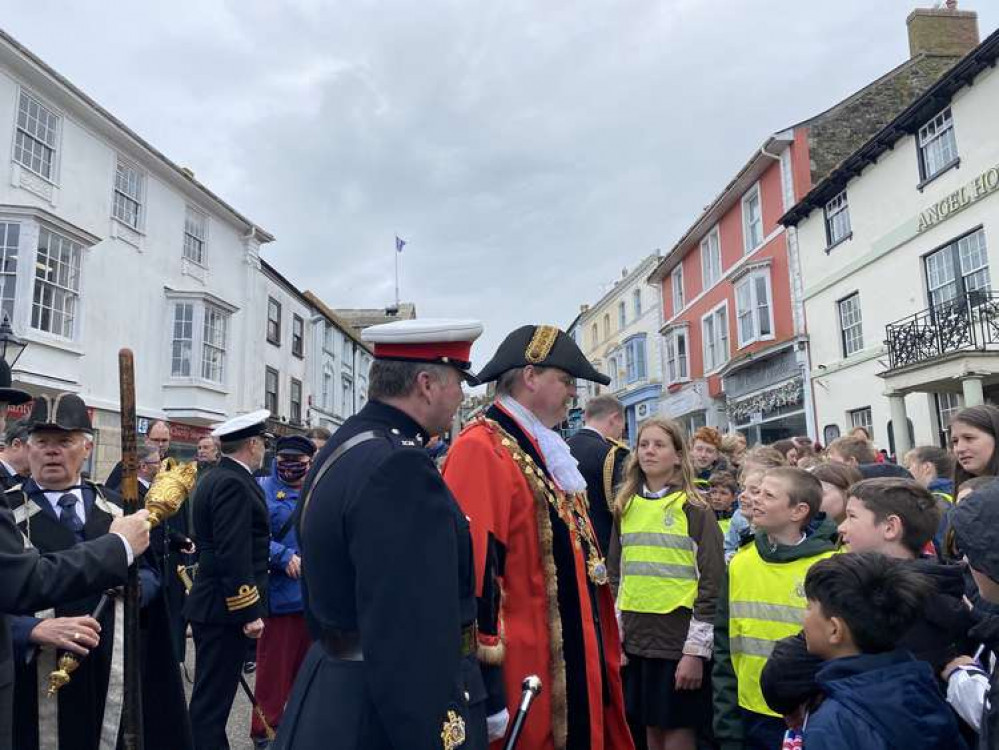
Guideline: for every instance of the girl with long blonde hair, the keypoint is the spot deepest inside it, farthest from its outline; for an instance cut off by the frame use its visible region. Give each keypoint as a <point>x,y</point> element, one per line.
<point>667,559</point>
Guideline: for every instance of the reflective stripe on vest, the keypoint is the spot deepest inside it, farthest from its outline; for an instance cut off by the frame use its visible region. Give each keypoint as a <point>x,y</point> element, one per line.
<point>944,496</point>
<point>766,603</point>
<point>658,559</point>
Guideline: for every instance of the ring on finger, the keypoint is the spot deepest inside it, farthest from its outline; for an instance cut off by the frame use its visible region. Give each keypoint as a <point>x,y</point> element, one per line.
<point>76,636</point>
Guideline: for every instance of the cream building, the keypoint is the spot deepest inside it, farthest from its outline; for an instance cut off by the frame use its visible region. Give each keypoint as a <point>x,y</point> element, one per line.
<point>619,334</point>
<point>897,248</point>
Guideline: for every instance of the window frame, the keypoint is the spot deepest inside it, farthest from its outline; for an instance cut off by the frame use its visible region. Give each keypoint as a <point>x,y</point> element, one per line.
<point>831,212</point>
<point>273,337</point>
<point>189,339</point>
<point>55,147</point>
<point>753,192</point>
<point>298,340</point>
<point>138,199</point>
<point>595,331</point>
<point>211,341</point>
<point>636,302</point>
<point>711,260</point>
<point>676,287</point>
<point>953,249</point>
<point>295,407</point>
<point>845,348</point>
<point>636,367</point>
<point>272,399</point>
<point>189,212</point>
<point>63,291</point>
<point>10,252</point>
<point>924,139</point>
<point>755,307</point>
<point>622,314</point>
<point>851,418</point>
<point>713,315</point>
<point>677,365</point>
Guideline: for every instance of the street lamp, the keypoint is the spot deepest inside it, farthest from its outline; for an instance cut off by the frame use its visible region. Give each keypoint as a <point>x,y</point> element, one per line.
<point>13,346</point>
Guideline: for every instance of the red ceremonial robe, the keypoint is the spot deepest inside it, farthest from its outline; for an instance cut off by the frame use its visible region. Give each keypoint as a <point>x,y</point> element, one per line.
<point>535,592</point>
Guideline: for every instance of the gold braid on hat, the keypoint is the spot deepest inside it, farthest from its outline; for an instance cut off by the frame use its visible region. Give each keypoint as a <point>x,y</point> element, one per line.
<point>541,344</point>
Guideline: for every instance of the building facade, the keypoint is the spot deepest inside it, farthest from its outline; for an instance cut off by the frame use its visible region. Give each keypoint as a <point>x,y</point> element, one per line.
<point>619,335</point>
<point>735,341</point>
<point>106,243</point>
<point>907,289</point>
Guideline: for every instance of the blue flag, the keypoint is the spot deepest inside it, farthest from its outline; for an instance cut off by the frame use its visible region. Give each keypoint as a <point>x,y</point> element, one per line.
<point>399,244</point>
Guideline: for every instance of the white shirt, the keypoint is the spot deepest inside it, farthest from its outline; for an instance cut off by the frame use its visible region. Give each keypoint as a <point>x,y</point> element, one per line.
<point>53,497</point>
<point>248,469</point>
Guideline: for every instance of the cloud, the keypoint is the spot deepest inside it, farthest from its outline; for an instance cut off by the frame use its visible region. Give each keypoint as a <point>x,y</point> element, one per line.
<point>527,151</point>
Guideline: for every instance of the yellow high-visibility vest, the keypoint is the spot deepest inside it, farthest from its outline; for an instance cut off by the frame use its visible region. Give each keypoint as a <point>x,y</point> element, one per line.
<point>725,524</point>
<point>658,562</point>
<point>766,602</point>
<point>944,496</point>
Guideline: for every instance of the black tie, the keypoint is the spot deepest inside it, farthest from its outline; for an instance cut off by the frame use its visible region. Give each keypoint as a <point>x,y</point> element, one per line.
<point>68,516</point>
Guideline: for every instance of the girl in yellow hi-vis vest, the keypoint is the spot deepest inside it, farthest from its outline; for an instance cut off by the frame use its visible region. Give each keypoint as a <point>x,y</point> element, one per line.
<point>668,563</point>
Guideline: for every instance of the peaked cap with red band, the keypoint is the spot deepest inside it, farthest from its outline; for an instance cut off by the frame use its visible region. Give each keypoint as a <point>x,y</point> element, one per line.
<point>440,341</point>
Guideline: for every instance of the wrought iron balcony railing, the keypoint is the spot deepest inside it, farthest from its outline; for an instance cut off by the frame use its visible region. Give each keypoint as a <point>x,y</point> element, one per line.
<point>966,323</point>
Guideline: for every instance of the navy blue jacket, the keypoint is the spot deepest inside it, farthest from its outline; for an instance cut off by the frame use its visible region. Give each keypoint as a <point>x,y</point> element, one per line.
<point>881,702</point>
<point>284,593</point>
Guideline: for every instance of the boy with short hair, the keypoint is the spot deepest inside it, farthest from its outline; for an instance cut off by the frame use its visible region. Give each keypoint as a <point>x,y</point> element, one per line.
<point>877,697</point>
<point>898,518</point>
<point>763,600</point>
<point>851,450</point>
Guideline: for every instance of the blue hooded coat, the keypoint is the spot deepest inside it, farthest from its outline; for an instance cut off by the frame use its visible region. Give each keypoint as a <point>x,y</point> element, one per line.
<point>884,701</point>
<point>285,594</point>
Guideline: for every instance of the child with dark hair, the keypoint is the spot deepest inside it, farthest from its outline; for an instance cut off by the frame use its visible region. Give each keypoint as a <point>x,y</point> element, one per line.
<point>723,489</point>
<point>876,696</point>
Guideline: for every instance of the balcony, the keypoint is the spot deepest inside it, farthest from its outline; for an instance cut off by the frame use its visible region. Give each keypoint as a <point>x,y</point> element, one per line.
<point>969,323</point>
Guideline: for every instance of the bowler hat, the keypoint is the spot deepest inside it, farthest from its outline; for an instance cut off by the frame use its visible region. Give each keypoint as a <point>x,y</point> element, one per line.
<point>541,346</point>
<point>65,412</point>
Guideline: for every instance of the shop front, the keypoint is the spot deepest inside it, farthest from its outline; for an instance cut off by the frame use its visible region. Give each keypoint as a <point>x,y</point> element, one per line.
<point>766,398</point>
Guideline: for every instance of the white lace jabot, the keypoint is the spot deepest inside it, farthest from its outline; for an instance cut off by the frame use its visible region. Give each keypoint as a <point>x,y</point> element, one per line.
<point>555,451</point>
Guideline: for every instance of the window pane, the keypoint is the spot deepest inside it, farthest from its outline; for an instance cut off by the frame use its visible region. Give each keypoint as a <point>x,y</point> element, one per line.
<point>10,235</point>
<point>57,275</point>
<point>762,305</point>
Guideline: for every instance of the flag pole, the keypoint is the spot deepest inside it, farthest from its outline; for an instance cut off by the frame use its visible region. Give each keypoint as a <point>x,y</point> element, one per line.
<point>397,254</point>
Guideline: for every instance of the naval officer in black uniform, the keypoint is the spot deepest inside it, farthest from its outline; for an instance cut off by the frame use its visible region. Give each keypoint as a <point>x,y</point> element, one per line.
<point>387,564</point>
<point>229,599</point>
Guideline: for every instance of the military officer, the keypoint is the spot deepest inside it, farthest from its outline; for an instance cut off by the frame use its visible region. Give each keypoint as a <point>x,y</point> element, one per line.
<point>387,564</point>
<point>229,599</point>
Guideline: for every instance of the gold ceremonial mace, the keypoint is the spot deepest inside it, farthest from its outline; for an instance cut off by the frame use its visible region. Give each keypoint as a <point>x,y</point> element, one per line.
<point>171,487</point>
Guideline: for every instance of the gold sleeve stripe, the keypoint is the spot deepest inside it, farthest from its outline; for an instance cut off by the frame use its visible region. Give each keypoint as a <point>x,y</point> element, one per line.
<point>246,597</point>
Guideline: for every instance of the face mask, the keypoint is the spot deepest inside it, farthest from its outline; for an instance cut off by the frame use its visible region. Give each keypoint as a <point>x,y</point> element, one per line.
<point>292,472</point>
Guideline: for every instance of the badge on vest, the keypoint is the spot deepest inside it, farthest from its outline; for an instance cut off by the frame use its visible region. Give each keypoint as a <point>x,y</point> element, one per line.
<point>799,589</point>
<point>669,518</point>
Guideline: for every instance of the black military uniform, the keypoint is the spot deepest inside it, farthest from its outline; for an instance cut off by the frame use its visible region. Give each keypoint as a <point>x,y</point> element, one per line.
<point>601,462</point>
<point>389,590</point>
<point>89,707</point>
<point>232,531</point>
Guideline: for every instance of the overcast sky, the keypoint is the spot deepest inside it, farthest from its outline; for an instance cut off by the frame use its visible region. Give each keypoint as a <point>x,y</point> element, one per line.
<point>527,150</point>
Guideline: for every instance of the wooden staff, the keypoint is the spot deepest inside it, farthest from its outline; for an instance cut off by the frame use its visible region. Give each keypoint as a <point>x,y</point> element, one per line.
<point>131,716</point>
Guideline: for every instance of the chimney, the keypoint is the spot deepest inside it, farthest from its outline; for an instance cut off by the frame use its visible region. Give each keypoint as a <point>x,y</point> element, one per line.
<point>583,308</point>
<point>942,31</point>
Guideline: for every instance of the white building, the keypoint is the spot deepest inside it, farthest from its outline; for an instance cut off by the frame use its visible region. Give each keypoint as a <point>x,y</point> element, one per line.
<point>338,368</point>
<point>897,247</point>
<point>619,334</point>
<point>106,243</point>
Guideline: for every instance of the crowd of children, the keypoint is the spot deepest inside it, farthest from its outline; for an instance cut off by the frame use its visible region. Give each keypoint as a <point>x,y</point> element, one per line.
<point>787,596</point>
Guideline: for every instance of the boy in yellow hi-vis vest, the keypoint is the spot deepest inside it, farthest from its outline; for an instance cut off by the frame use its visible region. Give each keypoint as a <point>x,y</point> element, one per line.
<point>763,600</point>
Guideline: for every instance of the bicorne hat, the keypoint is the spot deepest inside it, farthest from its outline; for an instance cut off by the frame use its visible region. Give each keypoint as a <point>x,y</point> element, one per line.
<point>541,346</point>
<point>63,412</point>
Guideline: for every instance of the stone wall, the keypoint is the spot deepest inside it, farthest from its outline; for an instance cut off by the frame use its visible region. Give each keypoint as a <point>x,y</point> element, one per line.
<point>837,133</point>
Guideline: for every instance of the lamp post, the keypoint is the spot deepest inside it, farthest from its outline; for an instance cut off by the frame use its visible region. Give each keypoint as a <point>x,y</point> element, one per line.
<point>10,346</point>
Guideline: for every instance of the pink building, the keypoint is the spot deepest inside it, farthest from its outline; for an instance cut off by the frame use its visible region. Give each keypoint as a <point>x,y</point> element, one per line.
<point>735,339</point>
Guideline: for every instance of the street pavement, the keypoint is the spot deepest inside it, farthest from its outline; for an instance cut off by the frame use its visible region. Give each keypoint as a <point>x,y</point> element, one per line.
<point>238,728</point>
